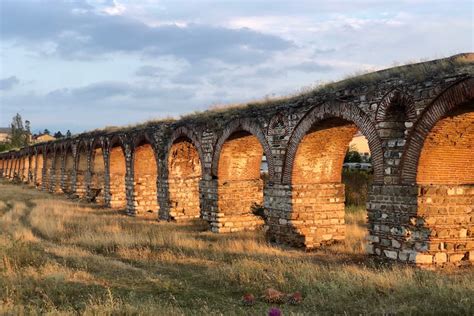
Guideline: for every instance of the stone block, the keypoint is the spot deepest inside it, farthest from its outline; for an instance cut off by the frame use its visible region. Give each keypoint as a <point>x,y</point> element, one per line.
<point>391,254</point>
<point>456,257</point>
<point>440,257</point>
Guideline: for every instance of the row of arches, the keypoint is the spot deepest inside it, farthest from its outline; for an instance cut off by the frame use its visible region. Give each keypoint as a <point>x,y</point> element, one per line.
<point>132,174</point>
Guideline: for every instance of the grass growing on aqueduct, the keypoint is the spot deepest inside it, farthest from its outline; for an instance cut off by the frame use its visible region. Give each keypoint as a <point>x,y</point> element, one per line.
<point>63,257</point>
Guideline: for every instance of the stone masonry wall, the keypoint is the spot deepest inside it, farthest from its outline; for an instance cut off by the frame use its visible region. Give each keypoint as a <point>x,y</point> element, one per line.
<point>447,214</point>
<point>98,175</point>
<point>184,174</point>
<point>239,185</point>
<point>56,175</point>
<point>145,176</point>
<point>117,179</point>
<point>68,173</point>
<point>81,174</point>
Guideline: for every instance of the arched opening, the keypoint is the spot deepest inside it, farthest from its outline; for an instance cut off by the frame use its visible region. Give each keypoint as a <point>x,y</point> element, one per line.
<point>26,166</point>
<point>240,186</point>
<point>12,169</point>
<point>318,192</point>
<point>97,187</point>
<point>68,171</point>
<point>81,171</point>
<point>184,174</point>
<point>39,169</point>
<point>9,167</point>
<point>118,199</point>
<point>56,172</point>
<point>32,171</point>
<point>445,176</point>
<point>48,169</point>
<point>145,176</point>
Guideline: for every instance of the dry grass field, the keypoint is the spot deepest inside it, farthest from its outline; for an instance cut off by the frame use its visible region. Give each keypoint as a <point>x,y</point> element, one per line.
<point>63,257</point>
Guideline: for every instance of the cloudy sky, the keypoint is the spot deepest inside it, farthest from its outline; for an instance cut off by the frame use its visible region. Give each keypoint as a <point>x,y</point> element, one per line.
<point>84,64</point>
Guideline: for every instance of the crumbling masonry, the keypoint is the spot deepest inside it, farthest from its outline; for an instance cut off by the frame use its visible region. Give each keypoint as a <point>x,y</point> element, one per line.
<point>419,122</point>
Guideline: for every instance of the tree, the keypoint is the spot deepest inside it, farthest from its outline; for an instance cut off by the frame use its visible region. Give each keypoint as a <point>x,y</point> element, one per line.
<point>19,135</point>
<point>27,127</point>
<point>352,156</point>
<point>68,134</point>
<point>46,131</point>
<point>58,135</point>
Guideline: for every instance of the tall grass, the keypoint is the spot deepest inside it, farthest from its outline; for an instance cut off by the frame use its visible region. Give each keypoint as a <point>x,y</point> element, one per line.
<point>61,257</point>
<point>357,184</point>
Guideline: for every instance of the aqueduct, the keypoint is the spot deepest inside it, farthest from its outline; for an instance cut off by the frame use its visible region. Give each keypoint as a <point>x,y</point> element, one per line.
<point>419,122</point>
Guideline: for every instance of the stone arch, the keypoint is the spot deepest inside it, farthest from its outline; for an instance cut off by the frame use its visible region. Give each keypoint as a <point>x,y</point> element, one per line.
<point>68,171</point>
<point>145,175</point>
<point>454,96</point>
<point>396,101</point>
<point>117,172</point>
<point>184,132</point>
<point>251,127</point>
<point>184,172</point>
<point>444,175</point>
<point>48,166</point>
<point>313,169</point>
<point>342,111</point>
<point>13,167</point>
<point>8,166</point>
<point>39,166</point>
<point>56,169</point>
<point>236,164</point>
<point>32,171</point>
<point>81,165</point>
<point>97,181</point>
<point>26,166</point>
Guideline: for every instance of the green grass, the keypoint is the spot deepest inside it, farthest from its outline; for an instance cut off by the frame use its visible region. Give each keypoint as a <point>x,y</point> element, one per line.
<point>61,257</point>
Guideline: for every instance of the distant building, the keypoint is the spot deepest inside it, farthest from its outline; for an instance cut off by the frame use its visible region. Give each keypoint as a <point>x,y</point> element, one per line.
<point>42,138</point>
<point>5,133</point>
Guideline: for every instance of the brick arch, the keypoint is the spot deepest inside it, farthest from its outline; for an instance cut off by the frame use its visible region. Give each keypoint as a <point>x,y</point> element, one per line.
<point>98,142</point>
<point>236,166</point>
<point>56,168</point>
<point>68,167</point>
<point>395,99</point>
<point>81,167</point>
<point>39,165</point>
<point>185,168</point>
<point>117,171</point>
<point>335,110</point>
<point>454,96</point>
<point>97,172</point>
<point>114,141</point>
<point>49,165</point>
<point>142,137</point>
<point>244,125</point>
<point>145,173</point>
<point>185,132</point>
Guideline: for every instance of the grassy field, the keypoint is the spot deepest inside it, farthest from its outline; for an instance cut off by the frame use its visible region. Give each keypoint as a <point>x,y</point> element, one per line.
<point>62,257</point>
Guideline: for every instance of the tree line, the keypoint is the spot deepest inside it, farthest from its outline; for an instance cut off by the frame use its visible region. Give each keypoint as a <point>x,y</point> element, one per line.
<point>20,134</point>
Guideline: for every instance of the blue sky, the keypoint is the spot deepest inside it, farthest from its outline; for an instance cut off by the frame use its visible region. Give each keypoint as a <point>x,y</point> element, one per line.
<point>81,65</point>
